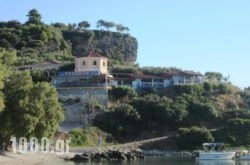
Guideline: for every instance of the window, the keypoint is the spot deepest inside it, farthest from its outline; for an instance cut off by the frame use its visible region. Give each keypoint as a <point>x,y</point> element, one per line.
<point>83,63</point>
<point>94,63</point>
<point>103,63</point>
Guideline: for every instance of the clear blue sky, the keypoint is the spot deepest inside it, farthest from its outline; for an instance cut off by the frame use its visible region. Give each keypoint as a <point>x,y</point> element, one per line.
<point>198,35</point>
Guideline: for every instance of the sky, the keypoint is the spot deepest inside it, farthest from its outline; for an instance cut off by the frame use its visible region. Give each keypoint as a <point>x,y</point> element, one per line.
<point>197,35</point>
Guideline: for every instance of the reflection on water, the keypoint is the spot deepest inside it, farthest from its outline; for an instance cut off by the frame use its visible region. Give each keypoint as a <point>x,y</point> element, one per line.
<point>222,162</point>
<point>243,162</point>
<point>154,161</point>
<point>215,162</point>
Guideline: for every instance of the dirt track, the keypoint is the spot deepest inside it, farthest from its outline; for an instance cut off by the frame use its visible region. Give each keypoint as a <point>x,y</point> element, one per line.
<point>140,142</point>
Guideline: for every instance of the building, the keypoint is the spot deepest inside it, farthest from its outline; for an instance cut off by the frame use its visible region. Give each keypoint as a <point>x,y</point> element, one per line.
<point>138,81</point>
<point>93,62</point>
<point>84,91</point>
<point>49,64</point>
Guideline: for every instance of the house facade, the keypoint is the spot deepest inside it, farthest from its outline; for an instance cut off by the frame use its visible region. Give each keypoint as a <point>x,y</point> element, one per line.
<point>138,81</point>
<point>84,91</point>
<point>93,62</point>
<point>90,71</point>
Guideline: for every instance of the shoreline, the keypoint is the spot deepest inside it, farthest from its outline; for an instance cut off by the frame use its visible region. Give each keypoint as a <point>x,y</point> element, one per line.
<point>40,158</point>
<point>29,158</point>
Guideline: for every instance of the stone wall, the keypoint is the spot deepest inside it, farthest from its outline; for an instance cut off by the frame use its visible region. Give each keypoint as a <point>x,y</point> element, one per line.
<point>81,104</point>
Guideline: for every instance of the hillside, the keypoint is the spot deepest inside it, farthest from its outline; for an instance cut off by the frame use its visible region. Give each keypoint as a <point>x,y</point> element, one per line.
<point>114,45</point>
<point>213,110</point>
<point>36,41</point>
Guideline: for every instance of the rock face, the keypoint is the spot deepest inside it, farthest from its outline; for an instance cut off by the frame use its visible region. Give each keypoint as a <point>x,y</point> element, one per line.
<point>76,100</point>
<point>116,46</point>
<point>108,156</point>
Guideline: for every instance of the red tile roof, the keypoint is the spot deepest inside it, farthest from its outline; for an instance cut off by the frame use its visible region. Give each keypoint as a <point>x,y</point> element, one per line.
<point>92,53</point>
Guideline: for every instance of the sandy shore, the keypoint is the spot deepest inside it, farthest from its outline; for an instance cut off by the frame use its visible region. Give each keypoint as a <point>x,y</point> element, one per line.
<point>40,158</point>
<point>29,158</point>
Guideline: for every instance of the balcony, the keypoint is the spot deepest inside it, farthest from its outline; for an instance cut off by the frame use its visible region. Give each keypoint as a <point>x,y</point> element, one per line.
<point>150,85</point>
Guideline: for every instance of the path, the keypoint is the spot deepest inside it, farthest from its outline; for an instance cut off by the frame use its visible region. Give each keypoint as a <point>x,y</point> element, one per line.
<point>130,145</point>
<point>140,142</point>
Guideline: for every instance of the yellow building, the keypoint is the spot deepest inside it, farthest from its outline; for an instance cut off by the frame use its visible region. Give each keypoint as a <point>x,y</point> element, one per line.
<point>92,62</point>
<point>87,85</point>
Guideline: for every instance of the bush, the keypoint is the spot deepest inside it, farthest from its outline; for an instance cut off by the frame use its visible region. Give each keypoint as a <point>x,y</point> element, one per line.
<point>193,138</point>
<point>77,138</point>
<point>122,123</point>
<point>122,93</point>
<point>195,89</point>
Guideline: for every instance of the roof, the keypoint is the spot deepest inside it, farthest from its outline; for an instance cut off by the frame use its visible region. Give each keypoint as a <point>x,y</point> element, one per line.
<point>167,75</point>
<point>144,76</point>
<point>92,53</point>
<point>50,64</point>
<point>180,73</point>
<point>133,76</point>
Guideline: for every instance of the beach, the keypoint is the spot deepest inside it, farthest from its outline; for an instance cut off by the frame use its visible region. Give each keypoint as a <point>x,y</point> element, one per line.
<point>40,158</point>
<point>29,158</point>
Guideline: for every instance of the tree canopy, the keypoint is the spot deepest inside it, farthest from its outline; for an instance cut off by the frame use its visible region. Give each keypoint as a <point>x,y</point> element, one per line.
<point>36,41</point>
<point>30,109</point>
<point>34,17</point>
<point>7,58</point>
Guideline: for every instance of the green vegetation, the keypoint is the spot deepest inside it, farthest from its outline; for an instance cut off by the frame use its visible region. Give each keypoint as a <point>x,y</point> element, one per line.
<point>36,41</point>
<point>122,94</point>
<point>195,113</point>
<point>90,137</point>
<point>192,138</point>
<point>6,60</point>
<point>29,109</point>
<point>121,122</point>
<point>33,40</point>
<point>116,46</point>
<point>213,111</point>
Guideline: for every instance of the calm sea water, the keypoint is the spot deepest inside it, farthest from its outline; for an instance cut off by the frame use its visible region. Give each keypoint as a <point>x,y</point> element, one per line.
<point>155,161</point>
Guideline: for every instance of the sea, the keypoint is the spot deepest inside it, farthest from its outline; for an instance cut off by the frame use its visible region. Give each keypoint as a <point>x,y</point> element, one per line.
<point>155,160</point>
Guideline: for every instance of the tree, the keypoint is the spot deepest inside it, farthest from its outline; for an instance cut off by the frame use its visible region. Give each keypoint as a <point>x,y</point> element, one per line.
<point>15,118</point>
<point>193,138</point>
<point>126,29</point>
<point>122,93</point>
<point>122,122</point>
<point>30,109</point>
<point>100,23</point>
<point>41,75</point>
<point>235,128</point>
<point>214,76</point>
<point>105,24</point>
<point>224,89</point>
<point>159,112</point>
<point>14,24</point>
<point>246,96</point>
<point>193,89</point>
<point>108,25</point>
<point>34,17</point>
<point>44,100</point>
<point>208,86</point>
<point>83,25</point>
<point>201,111</point>
<point>6,60</point>
<point>59,25</point>
<point>121,28</point>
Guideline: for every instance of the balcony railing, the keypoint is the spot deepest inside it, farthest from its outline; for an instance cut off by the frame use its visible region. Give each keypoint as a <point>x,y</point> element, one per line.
<point>81,84</point>
<point>150,85</point>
